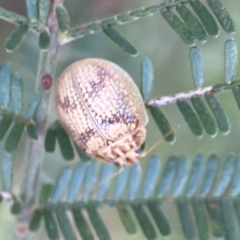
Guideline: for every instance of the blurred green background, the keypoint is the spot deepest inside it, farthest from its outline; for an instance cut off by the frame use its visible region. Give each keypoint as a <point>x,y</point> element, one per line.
<point>154,39</point>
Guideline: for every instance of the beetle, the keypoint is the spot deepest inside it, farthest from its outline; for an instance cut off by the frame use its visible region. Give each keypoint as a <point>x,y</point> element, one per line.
<point>101,108</point>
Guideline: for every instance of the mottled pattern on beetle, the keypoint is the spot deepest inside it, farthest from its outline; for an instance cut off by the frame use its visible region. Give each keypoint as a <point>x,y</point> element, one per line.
<point>75,117</point>
<point>108,98</point>
<point>102,109</point>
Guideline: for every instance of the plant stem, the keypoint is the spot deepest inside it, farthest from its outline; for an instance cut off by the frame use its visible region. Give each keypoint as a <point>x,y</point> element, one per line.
<point>17,19</point>
<point>170,99</point>
<point>11,17</point>
<point>34,151</point>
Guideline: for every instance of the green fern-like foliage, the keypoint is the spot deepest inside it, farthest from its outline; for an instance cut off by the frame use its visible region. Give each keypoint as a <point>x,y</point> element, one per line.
<point>202,189</point>
<point>199,187</point>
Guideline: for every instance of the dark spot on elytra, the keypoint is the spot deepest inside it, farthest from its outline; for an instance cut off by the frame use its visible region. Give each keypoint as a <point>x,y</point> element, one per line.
<point>83,138</point>
<point>119,118</point>
<point>65,104</point>
<point>102,74</point>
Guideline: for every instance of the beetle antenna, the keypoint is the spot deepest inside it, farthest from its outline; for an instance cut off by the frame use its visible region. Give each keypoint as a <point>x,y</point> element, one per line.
<point>103,181</point>
<point>144,154</point>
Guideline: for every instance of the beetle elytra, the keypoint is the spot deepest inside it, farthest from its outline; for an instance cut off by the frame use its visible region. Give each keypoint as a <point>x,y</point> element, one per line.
<point>101,108</point>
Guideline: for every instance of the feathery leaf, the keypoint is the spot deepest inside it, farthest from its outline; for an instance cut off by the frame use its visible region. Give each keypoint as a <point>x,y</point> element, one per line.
<point>178,26</point>
<point>204,115</point>
<point>222,15</point>
<point>32,9</point>
<point>192,22</point>
<point>16,37</point>
<point>43,6</point>
<point>127,220</point>
<point>14,136</point>
<point>190,117</point>
<point>162,123</point>
<point>231,60</point>
<point>120,40</point>
<point>147,78</point>
<point>5,81</point>
<point>206,18</point>
<point>16,94</point>
<point>63,18</point>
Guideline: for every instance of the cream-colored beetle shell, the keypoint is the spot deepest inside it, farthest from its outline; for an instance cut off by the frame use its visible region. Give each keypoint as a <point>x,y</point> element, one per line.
<point>102,109</point>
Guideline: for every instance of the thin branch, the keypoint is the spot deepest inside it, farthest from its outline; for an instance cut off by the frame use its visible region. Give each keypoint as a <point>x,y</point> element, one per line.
<point>118,203</point>
<point>92,27</point>
<point>11,17</point>
<point>35,149</point>
<point>16,19</point>
<point>120,19</point>
<point>165,100</point>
